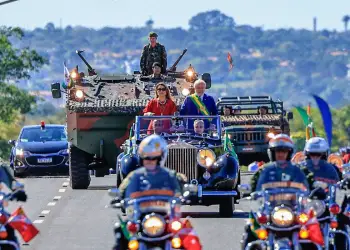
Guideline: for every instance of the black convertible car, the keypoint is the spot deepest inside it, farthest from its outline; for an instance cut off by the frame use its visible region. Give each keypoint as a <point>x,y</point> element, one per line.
<point>200,155</point>
<point>40,149</point>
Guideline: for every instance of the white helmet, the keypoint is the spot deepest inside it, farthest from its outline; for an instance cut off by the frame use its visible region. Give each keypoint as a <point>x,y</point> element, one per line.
<point>317,145</point>
<point>280,141</point>
<point>153,147</point>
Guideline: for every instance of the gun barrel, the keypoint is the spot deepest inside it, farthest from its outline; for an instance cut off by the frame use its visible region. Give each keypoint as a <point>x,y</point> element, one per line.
<point>84,60</point>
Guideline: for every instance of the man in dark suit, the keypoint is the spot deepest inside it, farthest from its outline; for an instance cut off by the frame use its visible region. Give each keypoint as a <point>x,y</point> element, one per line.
<point>199,103</point>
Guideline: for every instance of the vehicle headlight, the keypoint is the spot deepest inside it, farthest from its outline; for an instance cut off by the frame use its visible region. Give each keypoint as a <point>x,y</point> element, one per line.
<point>153,225</point>
<point>79,94</point>
<point>282,216</point>
<point>19,152</point>
<point>64,151</point>
<point>318,206</point>
<point>206,157</point>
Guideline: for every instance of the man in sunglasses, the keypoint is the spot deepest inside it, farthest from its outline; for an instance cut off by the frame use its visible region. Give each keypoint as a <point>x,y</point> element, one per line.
<point>316,151</point>
<point>156,68</point>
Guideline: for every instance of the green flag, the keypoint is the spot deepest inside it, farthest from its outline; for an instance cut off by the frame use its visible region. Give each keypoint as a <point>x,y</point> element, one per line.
<point>254,225</point>
<point>229,147</point>
<point>124,229</point>
<point>304,116</point>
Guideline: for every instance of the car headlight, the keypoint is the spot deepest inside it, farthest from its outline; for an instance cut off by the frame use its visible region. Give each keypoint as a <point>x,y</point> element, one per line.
<point>19,152</point>
<point>153,225</point>
<point>318,206</point>
<point>206,157</point>
<point>64,151</point>
<point>282,216</point>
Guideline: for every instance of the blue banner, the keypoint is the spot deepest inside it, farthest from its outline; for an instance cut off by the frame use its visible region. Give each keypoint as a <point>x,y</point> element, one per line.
<point>326,117</point>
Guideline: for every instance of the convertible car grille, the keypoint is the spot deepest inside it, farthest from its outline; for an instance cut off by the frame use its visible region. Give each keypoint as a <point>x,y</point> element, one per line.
<point>183,160</point>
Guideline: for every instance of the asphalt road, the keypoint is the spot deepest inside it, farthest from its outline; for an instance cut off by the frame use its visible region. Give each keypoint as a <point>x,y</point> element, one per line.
<point>78,219</point>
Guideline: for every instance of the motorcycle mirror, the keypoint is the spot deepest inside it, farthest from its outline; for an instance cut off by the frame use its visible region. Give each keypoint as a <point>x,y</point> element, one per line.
<point>244,188</point>
<point>320,184</point>
<point>113,192</point>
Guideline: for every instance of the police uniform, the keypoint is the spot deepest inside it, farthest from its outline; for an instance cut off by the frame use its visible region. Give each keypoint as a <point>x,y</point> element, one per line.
<point>151,55</point>
<point>324,171</point>
<point>143,179</point>
<point>271,172</point>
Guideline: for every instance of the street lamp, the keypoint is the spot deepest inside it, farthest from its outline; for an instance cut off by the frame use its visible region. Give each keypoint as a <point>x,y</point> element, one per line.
<point>8,1</point>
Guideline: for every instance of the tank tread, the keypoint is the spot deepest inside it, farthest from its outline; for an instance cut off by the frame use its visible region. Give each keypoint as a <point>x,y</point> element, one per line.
<point>78,171</point>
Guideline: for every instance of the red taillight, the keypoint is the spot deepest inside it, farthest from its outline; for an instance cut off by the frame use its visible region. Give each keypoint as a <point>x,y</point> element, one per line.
<point>42,124</point>
<point>334,208</point>
<point>3,218</point>
<point>132,227</point>
<point>262,218</point>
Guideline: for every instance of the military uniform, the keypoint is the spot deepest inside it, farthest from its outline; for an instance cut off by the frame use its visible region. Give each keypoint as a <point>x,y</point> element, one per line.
<point>151,55</point>
<point>271,172</point>
<point>143,179</point>
<point>156,77</point>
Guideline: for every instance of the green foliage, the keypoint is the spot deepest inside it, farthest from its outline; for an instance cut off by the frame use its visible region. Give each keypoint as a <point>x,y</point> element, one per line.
<point>15,64</point>
<point>341,124</point>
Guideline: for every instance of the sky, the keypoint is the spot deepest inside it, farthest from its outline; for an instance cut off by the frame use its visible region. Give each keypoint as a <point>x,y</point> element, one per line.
<point>269,14</point>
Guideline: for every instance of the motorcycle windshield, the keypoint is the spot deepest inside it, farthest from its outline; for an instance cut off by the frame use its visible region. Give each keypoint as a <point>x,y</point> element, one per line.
<point>287,196</point>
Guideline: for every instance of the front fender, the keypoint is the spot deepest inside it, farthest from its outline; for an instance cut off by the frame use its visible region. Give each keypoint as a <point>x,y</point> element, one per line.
<point>226,167</point>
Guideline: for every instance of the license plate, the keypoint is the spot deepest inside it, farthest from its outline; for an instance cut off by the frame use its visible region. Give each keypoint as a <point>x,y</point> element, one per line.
<point>44,160</point>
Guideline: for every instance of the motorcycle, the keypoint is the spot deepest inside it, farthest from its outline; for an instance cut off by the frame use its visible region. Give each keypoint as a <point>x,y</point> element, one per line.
<point>7,235</point>
<point>154,221</point>
<point>282,220</point>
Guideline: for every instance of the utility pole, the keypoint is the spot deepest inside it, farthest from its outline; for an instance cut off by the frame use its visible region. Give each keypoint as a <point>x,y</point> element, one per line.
<point>7,1</point>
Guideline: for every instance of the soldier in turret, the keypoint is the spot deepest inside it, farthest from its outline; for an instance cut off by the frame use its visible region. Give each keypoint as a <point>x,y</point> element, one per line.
<point>153,52</point>
<point>156,68</point>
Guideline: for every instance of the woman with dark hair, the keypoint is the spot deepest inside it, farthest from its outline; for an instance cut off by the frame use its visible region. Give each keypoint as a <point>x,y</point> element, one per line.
<point>162,104</point>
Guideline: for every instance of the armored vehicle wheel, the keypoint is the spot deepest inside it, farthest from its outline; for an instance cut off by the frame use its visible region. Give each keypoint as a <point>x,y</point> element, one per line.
<point>226,207</point>
<point>78,169</point>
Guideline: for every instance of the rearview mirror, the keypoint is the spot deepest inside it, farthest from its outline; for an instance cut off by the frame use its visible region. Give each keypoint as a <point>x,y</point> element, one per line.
<point>12,142</point>
<point>113,192</point>
<point>56,90</point>
<point>290,115</point>
<point>207,78</point>
<point>245,188</point>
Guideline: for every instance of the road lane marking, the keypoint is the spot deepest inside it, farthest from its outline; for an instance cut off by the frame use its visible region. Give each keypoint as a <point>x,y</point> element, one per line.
<point>51,203</point>
<point>65,184</point>
<point>45,212</point>
<point>62,190</point>
<point>56,198</point>
<point>38,221</point>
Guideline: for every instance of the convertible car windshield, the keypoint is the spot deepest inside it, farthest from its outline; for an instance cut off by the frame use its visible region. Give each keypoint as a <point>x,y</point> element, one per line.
<point>168,126</point>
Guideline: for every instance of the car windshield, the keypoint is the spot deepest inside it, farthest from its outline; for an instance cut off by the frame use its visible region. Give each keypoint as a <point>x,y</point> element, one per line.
<point>167,126</point>
<point>47,134</point>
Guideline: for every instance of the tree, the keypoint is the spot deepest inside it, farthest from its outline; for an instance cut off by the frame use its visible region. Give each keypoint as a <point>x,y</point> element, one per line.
<point>346,20</point>
<point>15,64</point>
<point>211,19</point>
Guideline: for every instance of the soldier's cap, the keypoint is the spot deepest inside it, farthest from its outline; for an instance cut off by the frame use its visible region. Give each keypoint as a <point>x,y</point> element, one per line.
<point>156,64</point>
<point>153,34</point>
<point>237,107</point>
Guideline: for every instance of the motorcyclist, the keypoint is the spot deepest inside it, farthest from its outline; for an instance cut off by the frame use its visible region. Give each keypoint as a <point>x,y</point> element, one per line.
<point>278,171</point>
<point>151,176</point>
<point>316,151</point>
<point>9,180</point>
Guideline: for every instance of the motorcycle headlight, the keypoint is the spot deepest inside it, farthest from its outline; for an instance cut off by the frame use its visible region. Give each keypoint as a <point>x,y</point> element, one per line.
<point>206,157</point>
<point>153,225</point>
<point>282,216</point>
<point>318,206</point>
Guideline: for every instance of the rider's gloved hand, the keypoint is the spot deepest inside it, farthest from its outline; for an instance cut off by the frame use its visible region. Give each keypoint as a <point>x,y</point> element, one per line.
<point>19,195</point>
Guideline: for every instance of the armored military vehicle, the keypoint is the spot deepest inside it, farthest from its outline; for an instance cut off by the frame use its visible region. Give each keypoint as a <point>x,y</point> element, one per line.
<point>102,108</point>
<point>249,130</point>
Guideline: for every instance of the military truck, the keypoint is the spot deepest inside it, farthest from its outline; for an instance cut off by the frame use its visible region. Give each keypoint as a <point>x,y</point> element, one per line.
<point>250,131</point>
<point>102,108</point>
